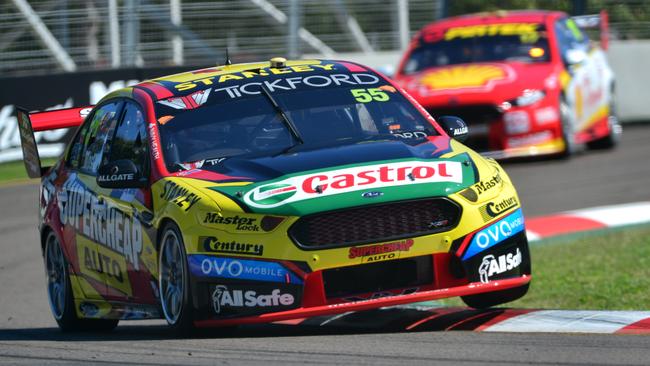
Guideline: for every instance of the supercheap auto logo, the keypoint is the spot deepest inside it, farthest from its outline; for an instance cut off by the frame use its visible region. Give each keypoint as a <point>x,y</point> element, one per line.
<point>346,180</point>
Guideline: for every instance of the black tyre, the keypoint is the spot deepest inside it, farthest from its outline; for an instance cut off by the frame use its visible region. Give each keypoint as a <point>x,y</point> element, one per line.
<point>490,299</point>
<point>615,129</point>
<point>174,281</point>
<point>60,296</point>
<point>568,131</point>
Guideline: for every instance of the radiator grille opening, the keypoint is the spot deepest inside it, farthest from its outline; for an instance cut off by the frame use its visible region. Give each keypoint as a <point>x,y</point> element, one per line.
<point>377,223</point>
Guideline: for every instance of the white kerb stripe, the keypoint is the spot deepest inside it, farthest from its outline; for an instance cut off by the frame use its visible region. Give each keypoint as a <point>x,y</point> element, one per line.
<point>617,215</point>
<point>565,321</point>
<point>532,236</point>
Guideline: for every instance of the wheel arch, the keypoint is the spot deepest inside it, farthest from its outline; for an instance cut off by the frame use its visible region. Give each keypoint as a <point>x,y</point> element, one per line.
<point>44,232</point>
<point>161,225</point>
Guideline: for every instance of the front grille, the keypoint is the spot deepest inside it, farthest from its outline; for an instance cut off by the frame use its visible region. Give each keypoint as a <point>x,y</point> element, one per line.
<point>478,118</point>
<point>375,223</point>
<point>379,276</point>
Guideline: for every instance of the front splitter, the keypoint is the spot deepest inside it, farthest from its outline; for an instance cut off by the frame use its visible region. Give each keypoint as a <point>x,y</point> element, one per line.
<point>469,289</point>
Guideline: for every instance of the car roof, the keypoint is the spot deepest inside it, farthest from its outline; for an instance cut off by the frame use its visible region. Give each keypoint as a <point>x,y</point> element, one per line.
<point>501,16</point>
<point>184,83</point>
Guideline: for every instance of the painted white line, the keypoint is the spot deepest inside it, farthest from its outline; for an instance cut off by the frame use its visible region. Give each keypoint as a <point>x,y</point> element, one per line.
<point>616,215</point>
<point>564,321</point>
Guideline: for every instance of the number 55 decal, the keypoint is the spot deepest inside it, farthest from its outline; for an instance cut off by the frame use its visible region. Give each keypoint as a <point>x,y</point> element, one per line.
<point>368,95</point>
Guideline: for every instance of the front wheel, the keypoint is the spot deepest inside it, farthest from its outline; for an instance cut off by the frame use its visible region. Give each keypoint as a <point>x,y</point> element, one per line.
<point>59,293</point>
<point>490,299</point>
<point>174,282</point>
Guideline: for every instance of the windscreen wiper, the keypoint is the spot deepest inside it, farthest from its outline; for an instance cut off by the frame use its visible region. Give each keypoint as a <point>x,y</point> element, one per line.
<point>287,121</point>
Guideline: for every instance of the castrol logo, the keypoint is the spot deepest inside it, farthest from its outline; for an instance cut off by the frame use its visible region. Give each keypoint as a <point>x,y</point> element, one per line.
<point>346,180</point>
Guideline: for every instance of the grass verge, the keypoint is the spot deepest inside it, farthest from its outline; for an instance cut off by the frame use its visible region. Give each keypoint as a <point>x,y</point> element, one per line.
<point>15,170</point>
<point>604,270</point>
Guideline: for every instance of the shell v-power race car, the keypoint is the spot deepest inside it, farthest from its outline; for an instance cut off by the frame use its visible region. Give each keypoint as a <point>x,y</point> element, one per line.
<point>268,191</point>
<point>527,83</point>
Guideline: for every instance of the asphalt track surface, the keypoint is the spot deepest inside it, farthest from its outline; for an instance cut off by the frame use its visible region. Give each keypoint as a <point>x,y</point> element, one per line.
<point>28,334</point>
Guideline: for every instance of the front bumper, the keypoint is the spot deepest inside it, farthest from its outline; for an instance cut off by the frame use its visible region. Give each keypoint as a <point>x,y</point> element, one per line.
<point>285,292</point>
<point>306,312</point>
<point>527,131</point>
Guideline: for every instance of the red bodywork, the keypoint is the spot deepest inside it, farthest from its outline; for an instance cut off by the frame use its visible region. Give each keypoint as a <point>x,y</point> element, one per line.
<point>482,90</point>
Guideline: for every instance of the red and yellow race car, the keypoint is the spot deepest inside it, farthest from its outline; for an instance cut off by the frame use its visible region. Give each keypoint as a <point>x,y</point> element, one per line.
<point>526,82</point>
<point>265,192</point>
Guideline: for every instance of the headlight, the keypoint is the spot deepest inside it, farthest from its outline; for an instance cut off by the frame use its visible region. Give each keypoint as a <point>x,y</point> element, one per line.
<point>529,97</point>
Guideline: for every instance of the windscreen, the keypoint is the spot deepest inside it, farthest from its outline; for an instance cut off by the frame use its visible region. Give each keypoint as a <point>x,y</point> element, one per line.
<point>299,112</point>
<point>523,42</point>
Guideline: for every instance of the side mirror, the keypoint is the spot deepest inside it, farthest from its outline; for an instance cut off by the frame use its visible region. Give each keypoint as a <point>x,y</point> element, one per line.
<point>574,57</point>
<point>455,127</point>
<point>120,174</point>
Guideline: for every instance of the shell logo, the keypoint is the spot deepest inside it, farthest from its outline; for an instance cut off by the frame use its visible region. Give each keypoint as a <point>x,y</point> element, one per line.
<point>458,77</point>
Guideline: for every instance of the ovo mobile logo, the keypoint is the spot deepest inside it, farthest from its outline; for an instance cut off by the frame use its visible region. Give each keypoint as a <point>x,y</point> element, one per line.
<point>496,233</point>
<point>346,180</point>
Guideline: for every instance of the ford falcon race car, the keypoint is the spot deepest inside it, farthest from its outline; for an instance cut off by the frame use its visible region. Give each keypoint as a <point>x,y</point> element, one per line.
<point>526,82</point>
<point>265,192</point>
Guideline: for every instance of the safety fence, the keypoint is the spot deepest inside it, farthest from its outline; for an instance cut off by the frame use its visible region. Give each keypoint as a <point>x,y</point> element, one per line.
<point>39,36</point>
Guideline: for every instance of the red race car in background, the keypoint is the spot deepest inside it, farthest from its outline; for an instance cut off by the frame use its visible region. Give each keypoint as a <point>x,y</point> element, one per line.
<point>526,82</point>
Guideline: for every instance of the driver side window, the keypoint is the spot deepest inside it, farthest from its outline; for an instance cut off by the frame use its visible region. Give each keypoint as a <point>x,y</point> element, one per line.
<point>90,147</point>
<point>130,141</point>
<point>569,36</point>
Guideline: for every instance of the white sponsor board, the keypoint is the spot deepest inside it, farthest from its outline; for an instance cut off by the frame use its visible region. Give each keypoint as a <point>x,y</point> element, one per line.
<point>50,143</point>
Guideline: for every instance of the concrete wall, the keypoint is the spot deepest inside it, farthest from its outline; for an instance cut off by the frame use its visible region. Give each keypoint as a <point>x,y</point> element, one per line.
<point>629,59</point>
<point>631,63</point>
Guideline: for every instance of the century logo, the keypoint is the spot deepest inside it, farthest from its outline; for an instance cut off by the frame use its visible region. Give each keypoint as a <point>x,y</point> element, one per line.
<point>494,209</point>
<point>213,244</point>
<point>346,180</point>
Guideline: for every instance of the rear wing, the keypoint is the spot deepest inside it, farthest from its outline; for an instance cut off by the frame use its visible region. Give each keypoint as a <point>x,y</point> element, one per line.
<point>600,21</point>
<point>28,123</point>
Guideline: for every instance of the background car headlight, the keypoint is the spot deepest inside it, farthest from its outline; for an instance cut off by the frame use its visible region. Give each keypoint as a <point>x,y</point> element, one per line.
<point>529,96</point>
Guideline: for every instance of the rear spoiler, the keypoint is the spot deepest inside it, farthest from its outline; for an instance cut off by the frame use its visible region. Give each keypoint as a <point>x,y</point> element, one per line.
<point>600,21</point>
<point>28,123</point>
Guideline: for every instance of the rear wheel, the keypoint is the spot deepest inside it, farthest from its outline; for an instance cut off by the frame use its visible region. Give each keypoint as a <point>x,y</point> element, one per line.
<point>615,129</point>
<point>59,292</point>
<point>490,299</point>
<point>174,282</point>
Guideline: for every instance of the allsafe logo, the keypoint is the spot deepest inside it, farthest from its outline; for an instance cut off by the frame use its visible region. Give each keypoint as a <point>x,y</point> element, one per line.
<point>491,266</point>
<point>222,297</point>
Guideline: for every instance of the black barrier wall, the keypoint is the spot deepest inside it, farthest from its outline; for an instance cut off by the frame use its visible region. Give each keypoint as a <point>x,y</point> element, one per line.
<point>59,91</point>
